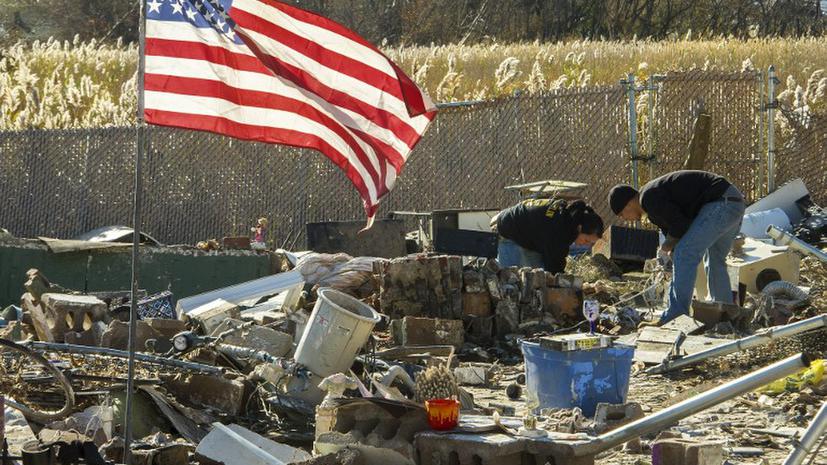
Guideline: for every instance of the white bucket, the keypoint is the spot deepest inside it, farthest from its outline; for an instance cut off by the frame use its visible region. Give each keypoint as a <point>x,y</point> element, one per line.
<point>339,326</point>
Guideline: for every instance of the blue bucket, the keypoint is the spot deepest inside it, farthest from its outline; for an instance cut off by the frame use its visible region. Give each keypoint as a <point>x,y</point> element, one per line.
<point>578,378</point>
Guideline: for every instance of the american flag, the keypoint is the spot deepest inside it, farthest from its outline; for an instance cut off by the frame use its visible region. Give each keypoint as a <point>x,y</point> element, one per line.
<point>266,71</point>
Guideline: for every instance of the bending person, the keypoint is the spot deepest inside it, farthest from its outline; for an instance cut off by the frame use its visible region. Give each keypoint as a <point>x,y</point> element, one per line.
<point>538,233</point>
<point>700,214</point>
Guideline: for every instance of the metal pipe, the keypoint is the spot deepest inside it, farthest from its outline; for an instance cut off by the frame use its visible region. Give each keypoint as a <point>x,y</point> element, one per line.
<point>137,196</point>
<point>785,238</point>
<point>808,442</point>
<point>671,415</point>
<point>772,104</point>
<point>629,82</point>
<point>761,338</point>
<point>90,350</point>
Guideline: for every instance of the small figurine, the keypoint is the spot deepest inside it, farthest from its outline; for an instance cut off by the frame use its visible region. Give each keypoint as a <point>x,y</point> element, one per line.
<point>259,239</point>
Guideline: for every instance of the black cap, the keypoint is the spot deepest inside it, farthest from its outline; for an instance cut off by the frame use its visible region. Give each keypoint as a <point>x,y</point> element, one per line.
<point>619,197</point>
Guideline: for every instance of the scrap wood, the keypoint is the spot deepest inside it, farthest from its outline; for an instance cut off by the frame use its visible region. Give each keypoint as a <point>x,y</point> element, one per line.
<point>187,428</point>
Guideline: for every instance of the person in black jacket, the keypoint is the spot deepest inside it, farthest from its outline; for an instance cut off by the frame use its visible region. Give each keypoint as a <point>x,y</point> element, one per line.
<point>537,233</point>
<point>700,214</point>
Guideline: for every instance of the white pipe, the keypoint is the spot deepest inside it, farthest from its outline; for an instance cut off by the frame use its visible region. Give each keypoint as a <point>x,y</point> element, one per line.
<point>758,339</point>
<point>671,415</point>
<point>785,238</point>
<point>808,443</point>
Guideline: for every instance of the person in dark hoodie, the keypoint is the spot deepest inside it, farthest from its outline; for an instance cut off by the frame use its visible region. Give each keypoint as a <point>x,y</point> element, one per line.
<point>537,233</point>
<point>700,214</point>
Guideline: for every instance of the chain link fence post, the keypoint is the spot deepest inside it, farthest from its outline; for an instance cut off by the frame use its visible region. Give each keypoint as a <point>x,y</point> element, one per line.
<point>772,104</point>
<point>629,83</point>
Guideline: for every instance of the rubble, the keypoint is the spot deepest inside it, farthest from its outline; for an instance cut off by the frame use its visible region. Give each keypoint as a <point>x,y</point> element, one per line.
<point>333,359</point>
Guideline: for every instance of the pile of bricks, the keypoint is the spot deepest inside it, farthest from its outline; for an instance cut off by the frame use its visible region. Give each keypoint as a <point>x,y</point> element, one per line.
<point>492,301</point>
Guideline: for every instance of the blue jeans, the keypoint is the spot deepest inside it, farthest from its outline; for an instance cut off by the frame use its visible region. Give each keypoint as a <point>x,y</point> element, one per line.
<point>710,238</point>
<point>509,253</point>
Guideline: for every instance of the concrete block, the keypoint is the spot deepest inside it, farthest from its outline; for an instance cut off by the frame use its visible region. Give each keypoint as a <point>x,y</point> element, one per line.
<point>65,312</point>
<point>345,456</point>
<point>474,375</point>
<point>83,338</point>
<point>38,317</point>
<point>381,437</point>
<point>275,343</point>
<point>116,335</point>
<point>705,453</point>
<point>610,416</point>
<point>476,304</point>
<point>564,302</point>
<point>420,285</point>
<point>493,449</point>
<point>430,331</point>
<point>687,452</point>
<point>205,391</point>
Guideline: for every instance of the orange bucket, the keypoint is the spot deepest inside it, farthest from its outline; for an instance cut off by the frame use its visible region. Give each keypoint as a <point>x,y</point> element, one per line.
<point>443,414</point>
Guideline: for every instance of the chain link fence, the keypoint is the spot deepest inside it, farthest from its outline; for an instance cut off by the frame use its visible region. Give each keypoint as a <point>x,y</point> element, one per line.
<point>60,183</point>
<point>802,152</point>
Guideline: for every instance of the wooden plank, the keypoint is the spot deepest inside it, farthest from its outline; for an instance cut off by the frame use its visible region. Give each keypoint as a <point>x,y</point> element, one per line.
<point>685,323</point>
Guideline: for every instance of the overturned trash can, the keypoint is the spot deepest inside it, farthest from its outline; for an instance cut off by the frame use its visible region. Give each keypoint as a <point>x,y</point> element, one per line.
<point>579,370</point>
<point>338,328</point>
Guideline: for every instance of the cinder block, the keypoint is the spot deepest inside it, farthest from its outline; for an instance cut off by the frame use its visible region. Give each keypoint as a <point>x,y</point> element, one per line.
<point>65,312</point>
<point>610,416</point>
<point>687,452</point>
<point>493,449</point>
<point>431,331</point>
<point>705,453</point>
<point>388,438</point>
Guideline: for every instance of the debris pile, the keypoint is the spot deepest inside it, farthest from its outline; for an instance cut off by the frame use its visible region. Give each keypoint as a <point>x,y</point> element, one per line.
<point>336,358</point>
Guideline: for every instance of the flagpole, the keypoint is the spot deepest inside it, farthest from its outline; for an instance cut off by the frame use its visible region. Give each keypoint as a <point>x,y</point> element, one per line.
<point>140,148</point>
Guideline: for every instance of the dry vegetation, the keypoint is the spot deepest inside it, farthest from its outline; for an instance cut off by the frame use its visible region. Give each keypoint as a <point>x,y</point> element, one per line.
<point>61,85</point>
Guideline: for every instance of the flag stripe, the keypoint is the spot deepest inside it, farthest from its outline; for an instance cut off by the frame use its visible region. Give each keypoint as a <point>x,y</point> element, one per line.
<point>316,36</point>
<point>206,69</point>
<point>262,70</point>
<point>379,115</point>
<point>254,116</point>
<point>327,82</point>
<point>255,132</point>
<point>247,98</point>
<point>417,102</point>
